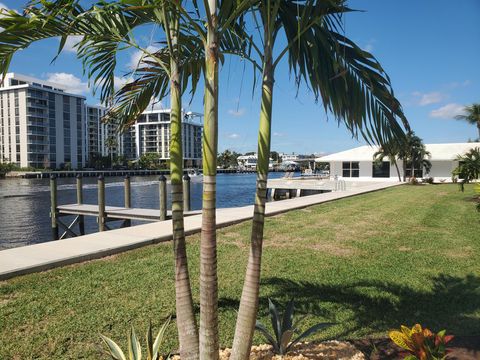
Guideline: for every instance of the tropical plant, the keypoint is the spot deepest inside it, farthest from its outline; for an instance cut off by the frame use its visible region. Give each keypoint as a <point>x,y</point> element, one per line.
<point>150,160</point>
<point>472,116</point>
<point>468,167</point>
<point>284,329</point>
<point>422,344</point>
<point>134,346</point>
<point>227,159</point>
<point>351,84</point>
<point>391,151</point>
<point>6,167</point>
<point>413,153</point>
<point>111,143</point>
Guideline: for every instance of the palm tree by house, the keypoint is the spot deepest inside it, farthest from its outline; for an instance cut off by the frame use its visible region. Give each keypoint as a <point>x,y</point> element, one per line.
<point>350,83</point>
<point>472,116</point>
<point>391,151</point>
<point>414,156</point>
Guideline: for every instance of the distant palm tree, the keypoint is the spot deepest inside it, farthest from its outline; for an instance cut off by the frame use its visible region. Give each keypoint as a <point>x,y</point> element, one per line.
<point>414,153</point>
<point>472,116</point>
<point>468,168</point>
<point>111,144</point>
<point>391,151</point>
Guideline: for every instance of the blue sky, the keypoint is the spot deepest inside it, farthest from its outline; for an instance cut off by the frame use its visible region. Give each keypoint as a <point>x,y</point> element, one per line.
<point>429,49</point>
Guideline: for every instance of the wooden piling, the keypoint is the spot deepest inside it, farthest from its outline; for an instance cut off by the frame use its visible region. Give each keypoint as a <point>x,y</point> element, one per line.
<point>128,198</point>
<point>162,181</point>
<point>81,218</point>
<point>101,203</point>
<point>53,206</point>
<point>186,192</point>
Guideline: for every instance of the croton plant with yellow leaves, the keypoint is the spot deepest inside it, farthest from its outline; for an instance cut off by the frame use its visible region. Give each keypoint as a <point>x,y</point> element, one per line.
<point>422,344</point>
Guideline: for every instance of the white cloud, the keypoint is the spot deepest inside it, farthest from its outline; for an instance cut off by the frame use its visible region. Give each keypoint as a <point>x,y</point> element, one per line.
<point>277,134</point>
<point>369,45</point>
<point>119,81</point>
<point>69,82</point>
<point>448,111</point>
<point>233,136</point>
<point>71,42</point>
<point>424,99</point>
<point>138,55</point>
<point>237,113</point>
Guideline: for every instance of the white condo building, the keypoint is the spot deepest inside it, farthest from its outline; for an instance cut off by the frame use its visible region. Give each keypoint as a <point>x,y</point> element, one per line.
<point>40,124</point>
<point>151,134</point>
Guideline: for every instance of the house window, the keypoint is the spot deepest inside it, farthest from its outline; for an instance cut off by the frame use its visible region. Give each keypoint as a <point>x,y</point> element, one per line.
<point>381,169</point>
<point>417,172</point>
<point>350,169</point>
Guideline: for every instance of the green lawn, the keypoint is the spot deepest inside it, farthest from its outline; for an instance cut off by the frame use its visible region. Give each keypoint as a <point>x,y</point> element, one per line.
<point>369,263</point>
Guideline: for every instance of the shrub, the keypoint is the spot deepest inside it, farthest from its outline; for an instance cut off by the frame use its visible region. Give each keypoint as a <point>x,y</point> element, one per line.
<point>422,344</point>
<point>284,329</point>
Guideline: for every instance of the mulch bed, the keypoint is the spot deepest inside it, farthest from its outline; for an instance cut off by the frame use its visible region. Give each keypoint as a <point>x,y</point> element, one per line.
<point>462,348</point>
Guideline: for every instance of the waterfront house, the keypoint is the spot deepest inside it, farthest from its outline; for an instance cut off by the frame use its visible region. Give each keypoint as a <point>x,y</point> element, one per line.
<point>360,163</point>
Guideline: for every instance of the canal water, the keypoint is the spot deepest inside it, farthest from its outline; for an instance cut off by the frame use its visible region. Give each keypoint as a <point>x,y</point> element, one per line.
<point>25,203</point>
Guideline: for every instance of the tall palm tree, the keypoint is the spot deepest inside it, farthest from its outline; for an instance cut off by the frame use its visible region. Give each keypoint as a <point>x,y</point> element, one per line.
<point>351,84</point>
<point>105,29</point>
<point>472,116</point>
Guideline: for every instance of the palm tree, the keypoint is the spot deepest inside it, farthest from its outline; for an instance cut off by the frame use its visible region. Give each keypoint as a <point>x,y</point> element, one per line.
<point>468,168</point>
<point>391,151</point>
<point>111,144</point>
<point>412,151</point>
<point>472,116</point>
<point>351,84</point>
<point>104,29</point>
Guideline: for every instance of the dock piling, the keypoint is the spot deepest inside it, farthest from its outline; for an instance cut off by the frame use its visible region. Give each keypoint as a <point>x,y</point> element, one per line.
<point>128,199</point>
<point>101,203</point>
<point>163,197</point>
<point>186,192</point>
<point>81,219</point>
<point>128,195</point>
<point>53,206</point>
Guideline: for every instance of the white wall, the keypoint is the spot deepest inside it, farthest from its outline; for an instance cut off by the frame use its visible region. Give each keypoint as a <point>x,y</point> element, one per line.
<point>442,169</point>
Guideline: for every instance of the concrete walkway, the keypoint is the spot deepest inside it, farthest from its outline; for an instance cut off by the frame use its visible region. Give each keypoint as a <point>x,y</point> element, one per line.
<point>39,257</point>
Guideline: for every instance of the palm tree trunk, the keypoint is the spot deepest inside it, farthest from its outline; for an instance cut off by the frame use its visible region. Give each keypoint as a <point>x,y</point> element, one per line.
<point>398,171</point>
<point>208,241</point>
<point>186,325</point>
<point>247,312</point>
<point>404,166</point>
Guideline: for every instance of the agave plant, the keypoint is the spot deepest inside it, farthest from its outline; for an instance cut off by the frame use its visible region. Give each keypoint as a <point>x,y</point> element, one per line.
<point>421,343</point>
<point>284,328</point>
<point>134,347</point>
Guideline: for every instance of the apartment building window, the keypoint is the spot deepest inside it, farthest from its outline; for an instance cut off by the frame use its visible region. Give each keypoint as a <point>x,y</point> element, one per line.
<point>350,169</point>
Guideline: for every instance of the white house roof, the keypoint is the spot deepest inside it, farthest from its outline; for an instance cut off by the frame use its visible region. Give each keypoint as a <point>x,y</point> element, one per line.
<point>437,151</point>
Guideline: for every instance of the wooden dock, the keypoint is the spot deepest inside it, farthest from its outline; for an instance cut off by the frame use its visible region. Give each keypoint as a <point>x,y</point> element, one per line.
<point>117,213</point>
<point>106,214</point>
<point>289,187</point>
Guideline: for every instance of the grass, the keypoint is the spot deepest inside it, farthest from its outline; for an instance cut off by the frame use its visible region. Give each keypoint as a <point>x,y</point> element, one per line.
<point>368,263</point>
